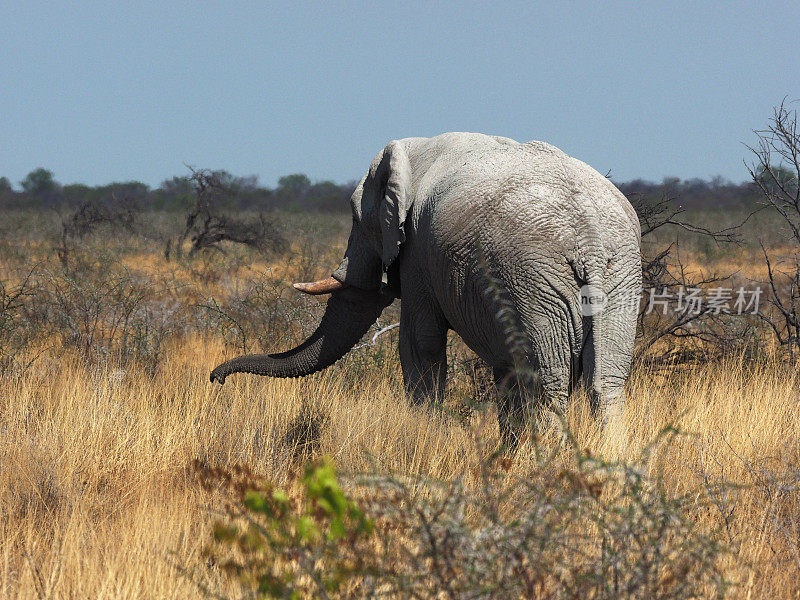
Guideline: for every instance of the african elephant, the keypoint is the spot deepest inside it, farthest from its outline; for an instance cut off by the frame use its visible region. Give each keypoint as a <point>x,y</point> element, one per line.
<point>495,240</point>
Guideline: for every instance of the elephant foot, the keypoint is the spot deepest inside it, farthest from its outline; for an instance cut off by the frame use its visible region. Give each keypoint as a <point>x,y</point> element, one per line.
<point>510,439</point>
<point>614,430</point>
<point>555,421</point>
<point>512,428</point>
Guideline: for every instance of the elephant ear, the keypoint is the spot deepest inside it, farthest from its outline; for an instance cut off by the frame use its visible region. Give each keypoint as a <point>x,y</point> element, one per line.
<point>396,202</point>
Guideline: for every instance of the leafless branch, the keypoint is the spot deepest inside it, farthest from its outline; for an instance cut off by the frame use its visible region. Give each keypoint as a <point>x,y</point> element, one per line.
<point>378,334</point>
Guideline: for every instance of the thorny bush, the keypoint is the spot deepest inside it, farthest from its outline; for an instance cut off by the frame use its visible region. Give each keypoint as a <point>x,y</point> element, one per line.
<point>18,328</point>
<point>566,525</point>
<point>260,312</point>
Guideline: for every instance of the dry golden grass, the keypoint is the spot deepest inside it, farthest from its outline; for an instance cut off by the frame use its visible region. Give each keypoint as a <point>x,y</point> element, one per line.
<point>97,499</point>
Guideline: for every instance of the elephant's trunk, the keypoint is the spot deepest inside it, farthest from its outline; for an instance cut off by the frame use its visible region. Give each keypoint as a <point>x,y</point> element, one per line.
<point>345,321</point>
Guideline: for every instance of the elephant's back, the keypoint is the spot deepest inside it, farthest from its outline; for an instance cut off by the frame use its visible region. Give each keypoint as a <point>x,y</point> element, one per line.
<point>533,187</point>
<point>523,216</point>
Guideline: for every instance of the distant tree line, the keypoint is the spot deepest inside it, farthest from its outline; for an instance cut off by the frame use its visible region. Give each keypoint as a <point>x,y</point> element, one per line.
<point>297,192</point>
<point>294,192</point>
<point>714,193</point>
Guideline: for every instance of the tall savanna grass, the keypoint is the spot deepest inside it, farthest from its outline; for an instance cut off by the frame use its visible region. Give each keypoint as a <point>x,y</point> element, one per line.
<point>98,496</point>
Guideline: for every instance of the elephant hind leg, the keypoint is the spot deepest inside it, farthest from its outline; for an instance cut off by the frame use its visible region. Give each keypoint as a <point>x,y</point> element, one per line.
<point>553,342</point>
<point>543,384</point>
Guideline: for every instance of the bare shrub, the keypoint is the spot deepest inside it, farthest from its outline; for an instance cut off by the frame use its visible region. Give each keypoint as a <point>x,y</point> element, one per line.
<point>92,215</point>
<point>109,313</point>
<point>207,226</point>
<point>569,525</point>
<point>263,312</point>
<point>303,435</point>
<point>18,326</point>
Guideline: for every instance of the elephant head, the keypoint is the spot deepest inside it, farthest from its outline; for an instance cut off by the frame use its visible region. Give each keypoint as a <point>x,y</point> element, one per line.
<point>359,288</point>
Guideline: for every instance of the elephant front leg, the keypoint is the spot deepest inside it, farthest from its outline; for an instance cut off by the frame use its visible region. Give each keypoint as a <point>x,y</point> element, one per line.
<point>423,353</point>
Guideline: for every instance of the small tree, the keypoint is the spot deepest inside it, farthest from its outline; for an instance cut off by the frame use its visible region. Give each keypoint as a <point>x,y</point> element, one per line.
<point>207,226</point>
<point>39,182</point>
<point>294,186</point>
<point>5,185</point>
<point>776,172</point>
<point>775,177</point>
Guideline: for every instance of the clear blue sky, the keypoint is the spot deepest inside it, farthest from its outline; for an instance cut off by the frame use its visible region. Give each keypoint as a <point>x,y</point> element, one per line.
<point>101,92</point>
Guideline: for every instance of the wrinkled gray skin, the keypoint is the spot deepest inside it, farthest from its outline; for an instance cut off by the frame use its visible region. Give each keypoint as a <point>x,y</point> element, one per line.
<point>492,239</point>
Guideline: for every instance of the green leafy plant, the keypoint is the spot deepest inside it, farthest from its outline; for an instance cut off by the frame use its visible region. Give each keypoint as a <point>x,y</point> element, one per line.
<point>561,524</point>
<point>279,546</point>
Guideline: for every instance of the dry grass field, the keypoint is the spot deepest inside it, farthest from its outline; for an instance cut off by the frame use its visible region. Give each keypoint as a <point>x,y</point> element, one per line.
<point>102,415</point>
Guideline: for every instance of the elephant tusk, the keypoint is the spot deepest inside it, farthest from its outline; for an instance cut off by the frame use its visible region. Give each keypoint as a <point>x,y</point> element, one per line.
<point>323,286</point>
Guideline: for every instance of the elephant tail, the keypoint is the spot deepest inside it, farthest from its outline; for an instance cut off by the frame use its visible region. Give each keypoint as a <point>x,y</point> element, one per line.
<point>609,308</point>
